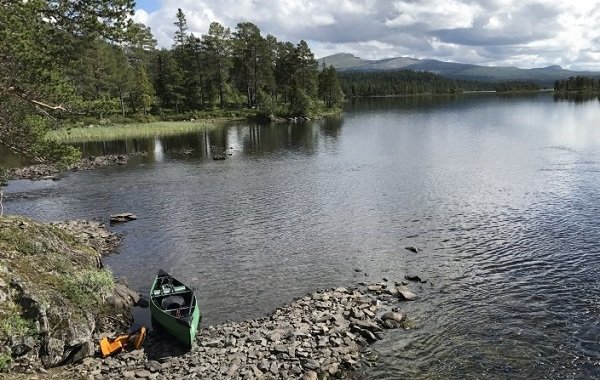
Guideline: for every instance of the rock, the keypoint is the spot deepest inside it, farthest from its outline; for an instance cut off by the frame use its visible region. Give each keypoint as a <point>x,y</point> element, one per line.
<point>122,217</point>
<point>52,352</point>
<point>415,278</point>
<point>142,302</point>
<point>310,375</point>
<point>318,335</point>
<point>154,366</point>
<point>143,374</point>
<point>412,249</point>
<point>22,345</point>
<point>312,364</point>
<point>392,316</point>
<point>366,325</point>
<point>406,294</point>
<point>49,172</point>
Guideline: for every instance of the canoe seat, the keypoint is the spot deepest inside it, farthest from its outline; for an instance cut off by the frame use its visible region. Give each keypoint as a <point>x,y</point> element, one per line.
<point>166,289</point>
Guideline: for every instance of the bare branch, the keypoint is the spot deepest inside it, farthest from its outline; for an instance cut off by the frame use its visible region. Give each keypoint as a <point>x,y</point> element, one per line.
<point>42,104</point>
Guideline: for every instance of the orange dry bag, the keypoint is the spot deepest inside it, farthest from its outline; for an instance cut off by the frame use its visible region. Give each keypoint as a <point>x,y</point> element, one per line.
<point>112,346</point>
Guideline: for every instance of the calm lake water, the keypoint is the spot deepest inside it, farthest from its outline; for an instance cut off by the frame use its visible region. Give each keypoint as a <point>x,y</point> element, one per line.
<point>500,194</point>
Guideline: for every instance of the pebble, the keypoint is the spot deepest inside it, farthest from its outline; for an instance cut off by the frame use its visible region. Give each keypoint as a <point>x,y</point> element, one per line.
<point>321,335</point>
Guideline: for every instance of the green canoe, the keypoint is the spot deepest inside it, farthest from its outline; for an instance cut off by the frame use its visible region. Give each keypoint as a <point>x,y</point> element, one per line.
<point>173,305</point>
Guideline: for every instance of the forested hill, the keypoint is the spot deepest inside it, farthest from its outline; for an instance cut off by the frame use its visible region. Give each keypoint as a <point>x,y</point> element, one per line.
<point>406,82</point>
<point>544,77</point>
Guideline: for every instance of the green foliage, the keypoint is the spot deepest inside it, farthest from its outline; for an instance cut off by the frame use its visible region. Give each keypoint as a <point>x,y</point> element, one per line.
<point>330,89</point>
<point>302,104</point>
<point>35,59</point>
<point>12,321</point>
<point>91,60</point>
<point>120,132</point>
<point>5,360</point>
<point>87,288</point>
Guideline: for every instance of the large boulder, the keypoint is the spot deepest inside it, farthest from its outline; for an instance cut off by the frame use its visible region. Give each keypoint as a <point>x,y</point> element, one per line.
<point>55,295</point>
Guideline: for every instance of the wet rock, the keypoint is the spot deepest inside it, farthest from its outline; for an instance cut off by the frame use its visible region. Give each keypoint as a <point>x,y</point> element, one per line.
<point>122,217</point>
<point>374,288</point>
<point>392,316</point>
<point>406,293</point>
<point>50,172</point>
<point>415,278</point>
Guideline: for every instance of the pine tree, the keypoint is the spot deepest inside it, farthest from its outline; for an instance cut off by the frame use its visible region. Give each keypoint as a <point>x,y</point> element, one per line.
<point>330,90</point>
<point>217,50</point>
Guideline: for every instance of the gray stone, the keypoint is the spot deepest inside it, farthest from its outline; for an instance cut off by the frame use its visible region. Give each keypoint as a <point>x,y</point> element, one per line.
<point>274,368</point>
<point>406,293</point>
<point>143,374</point>
<point>312,364</point>
<point>415,278</point>
<point>310,375</point>
<point>154,366</point>
<point>22,345</point>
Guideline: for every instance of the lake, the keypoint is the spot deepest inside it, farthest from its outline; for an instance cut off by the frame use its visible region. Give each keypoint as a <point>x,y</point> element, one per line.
<point>501,194</point>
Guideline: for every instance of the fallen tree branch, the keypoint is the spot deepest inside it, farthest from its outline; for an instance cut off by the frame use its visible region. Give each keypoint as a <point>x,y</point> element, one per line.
<point>42,104</point>
<point>23,95</point>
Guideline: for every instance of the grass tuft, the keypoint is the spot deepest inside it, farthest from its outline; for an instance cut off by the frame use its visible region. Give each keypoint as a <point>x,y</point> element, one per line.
<point>12,322</point>
<point>4,362</point>
<point>128,131</point>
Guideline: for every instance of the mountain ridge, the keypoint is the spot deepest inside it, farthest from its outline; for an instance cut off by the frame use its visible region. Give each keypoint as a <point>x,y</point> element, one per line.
<point>347,62</point>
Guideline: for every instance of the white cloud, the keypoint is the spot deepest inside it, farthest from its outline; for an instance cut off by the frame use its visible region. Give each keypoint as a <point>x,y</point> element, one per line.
<point>524,33</point>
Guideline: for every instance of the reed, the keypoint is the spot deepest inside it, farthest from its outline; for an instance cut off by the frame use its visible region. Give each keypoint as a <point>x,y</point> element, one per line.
<point>128,131</point>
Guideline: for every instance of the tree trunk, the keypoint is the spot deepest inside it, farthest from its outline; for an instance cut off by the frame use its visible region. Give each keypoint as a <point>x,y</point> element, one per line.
<point>122,101</point>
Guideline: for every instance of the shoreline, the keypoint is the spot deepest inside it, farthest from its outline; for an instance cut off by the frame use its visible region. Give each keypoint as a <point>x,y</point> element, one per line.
<point>325,334</point>
<point>320,335</point>
<point>53,171</point>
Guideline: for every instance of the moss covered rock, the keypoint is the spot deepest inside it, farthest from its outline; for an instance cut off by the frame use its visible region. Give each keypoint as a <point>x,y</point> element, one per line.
<point>55,295</point>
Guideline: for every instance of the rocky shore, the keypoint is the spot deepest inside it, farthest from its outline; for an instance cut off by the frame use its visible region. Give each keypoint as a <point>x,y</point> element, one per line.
<point>94,234</point>
<point>51,171</point>
<point>319,336</point>
<point>322,335</point>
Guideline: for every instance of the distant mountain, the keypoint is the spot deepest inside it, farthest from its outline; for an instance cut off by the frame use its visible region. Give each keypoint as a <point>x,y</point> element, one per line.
<point>544,76</point>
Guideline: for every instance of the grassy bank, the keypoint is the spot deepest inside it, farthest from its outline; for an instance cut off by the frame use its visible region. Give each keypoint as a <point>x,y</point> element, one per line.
<point>127,131</point>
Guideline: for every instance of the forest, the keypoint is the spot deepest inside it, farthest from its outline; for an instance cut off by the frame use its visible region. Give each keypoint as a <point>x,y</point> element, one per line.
<point>67,61</point>
<point>406,82</point>
<point>577,83</point>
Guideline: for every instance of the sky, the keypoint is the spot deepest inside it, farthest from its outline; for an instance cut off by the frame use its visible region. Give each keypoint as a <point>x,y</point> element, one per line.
<point>521,33</point>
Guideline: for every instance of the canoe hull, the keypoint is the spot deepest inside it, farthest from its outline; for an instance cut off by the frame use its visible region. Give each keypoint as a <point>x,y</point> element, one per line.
<point>182,325</point>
